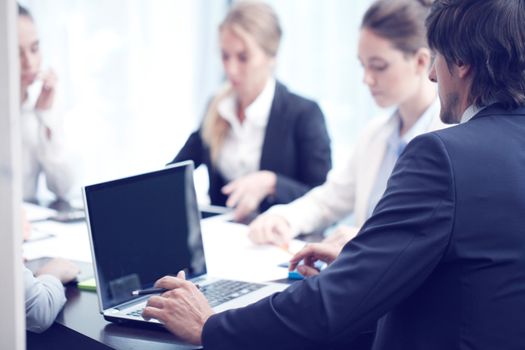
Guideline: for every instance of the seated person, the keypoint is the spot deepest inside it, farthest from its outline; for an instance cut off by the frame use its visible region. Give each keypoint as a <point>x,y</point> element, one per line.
<point>42,142</point>
<point>262,144</point>
<point>441,261</point>
<point>44,294</point>
<point>396,64</point>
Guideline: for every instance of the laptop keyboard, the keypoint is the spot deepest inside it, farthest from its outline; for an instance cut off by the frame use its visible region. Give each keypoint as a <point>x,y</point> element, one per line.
<point>219,292</point>
<point>222,291</point>
<point>136,313</point>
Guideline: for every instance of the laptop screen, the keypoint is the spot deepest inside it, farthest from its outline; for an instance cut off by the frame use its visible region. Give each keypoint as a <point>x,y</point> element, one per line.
<point>142,228</point>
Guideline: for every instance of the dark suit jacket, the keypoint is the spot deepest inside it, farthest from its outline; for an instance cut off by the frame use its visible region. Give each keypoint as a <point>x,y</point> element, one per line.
<point>296,147</point>
<point>441,262</point>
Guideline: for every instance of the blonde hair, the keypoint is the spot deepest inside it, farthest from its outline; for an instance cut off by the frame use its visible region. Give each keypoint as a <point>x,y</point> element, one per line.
<point>249,20</point>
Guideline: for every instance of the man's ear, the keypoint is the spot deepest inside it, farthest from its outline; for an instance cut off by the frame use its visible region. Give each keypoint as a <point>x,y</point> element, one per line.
<point>463,69</point>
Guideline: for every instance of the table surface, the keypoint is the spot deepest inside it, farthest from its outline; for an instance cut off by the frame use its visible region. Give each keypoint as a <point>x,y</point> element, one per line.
<point>81,326</point>
<point>80,323</point>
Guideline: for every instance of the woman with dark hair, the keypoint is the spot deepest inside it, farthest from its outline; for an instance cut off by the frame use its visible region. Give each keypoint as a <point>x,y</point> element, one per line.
<point>262,144</point>
<point>43,151</point>
<point>395,56</point>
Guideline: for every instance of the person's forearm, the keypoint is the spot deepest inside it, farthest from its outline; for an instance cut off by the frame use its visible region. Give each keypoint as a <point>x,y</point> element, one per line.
<point>44,300</point>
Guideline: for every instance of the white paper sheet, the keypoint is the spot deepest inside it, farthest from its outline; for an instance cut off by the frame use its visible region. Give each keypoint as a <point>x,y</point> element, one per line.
<point>231,254</point>
<point>68,241</point>
<point>36,213</point>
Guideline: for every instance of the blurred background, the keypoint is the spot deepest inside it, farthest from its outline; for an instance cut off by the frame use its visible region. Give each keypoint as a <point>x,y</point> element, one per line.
<point>135,75</point>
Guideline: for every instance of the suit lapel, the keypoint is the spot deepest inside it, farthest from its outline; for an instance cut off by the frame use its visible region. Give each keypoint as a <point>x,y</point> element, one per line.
<point>275,129</point>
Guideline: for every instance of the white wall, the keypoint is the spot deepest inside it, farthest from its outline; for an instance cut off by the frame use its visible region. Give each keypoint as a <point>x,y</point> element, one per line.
<point>12,334</point>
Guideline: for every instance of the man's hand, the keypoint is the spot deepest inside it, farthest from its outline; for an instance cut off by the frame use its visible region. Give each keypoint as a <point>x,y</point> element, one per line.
<point>246,193</point>
<point>47,94</point>
<point>310,254</point>
<point>270,228</point>
<point>341,236</point>
<point>183,309</point>
<point>62,269</point>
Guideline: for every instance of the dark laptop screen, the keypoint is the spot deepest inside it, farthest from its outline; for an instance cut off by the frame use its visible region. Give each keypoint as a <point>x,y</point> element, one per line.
<point>142,228</point>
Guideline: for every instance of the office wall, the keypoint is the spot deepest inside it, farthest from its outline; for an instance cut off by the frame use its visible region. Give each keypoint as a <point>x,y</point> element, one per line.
<point>12,334</point>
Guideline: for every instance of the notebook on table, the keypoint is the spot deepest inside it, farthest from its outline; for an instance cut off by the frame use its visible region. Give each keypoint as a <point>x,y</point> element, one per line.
<point>144,227</point>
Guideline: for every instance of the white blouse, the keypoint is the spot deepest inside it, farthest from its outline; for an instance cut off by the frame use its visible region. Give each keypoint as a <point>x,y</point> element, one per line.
<point>240,153</point>
<point>348,188</point>
<point>42,154</point>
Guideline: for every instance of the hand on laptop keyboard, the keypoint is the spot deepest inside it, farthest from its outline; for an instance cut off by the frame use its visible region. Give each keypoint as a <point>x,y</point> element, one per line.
<point>183,309</point>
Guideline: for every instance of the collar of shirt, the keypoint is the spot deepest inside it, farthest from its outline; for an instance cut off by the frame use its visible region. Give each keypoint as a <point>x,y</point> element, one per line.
<point>257,113</point>
<point>420,127</point>
<point>469,113</point>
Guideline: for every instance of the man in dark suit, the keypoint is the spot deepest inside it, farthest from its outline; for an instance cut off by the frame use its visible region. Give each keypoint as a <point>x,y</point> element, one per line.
<point>441,263</point>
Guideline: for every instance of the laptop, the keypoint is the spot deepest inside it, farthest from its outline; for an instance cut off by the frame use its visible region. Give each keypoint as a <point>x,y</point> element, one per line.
<point>144,227</point>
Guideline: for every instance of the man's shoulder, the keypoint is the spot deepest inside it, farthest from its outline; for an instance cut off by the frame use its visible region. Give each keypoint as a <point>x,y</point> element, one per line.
<point>488,120</point>
<point>489,131</point>
<point>451,136</point>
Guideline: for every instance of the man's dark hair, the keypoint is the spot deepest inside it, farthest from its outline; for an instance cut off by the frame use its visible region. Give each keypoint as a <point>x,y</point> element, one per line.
<point>489,36</point>
<point>22,11</point>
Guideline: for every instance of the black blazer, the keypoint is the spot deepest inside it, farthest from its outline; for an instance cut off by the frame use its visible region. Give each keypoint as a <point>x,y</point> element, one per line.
<point>441,262</point>
<point>296,148</point>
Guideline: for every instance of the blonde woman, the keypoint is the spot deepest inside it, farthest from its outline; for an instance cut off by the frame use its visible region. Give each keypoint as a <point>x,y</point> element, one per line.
<point>262,144</point>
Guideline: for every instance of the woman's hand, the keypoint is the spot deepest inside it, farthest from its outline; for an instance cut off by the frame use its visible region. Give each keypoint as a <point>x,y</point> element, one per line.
<point>270,228</point>
<point>47,94</point>
<point>246,193</point>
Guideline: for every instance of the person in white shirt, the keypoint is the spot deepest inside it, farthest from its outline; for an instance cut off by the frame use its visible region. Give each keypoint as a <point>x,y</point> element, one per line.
<point>43,150</point>
<point>44,294</point>
<point>262,144</point>
<point>396,59</point>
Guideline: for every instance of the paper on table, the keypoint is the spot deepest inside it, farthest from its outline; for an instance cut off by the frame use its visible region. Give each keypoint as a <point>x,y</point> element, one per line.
<point>69,241</point>
<point>36,213</point>
<point>234,256</point>
<point>38,234</point>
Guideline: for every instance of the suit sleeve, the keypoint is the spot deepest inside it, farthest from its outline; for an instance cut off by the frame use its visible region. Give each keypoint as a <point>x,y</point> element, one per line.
<point>396,250</point>
<point>192,150</point>
<point>314,154</point>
